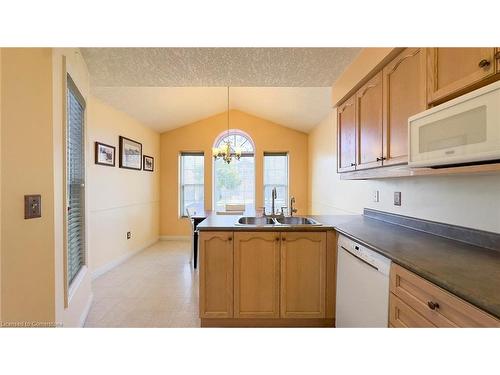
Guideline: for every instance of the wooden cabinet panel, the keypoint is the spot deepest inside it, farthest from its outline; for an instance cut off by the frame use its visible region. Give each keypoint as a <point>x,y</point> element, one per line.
<point>369,123</point>
<point>216,274</point>
<point>346,136</point>
<point>256,274</point>
<point>404,95</point>
<point>452,70</point>
<point>439,307</point>
<point>403,316</point>
<point>497,59</point>
<point>303,266</point>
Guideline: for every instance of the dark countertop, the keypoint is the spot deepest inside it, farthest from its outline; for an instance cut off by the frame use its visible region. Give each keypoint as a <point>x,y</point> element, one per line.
<point>470,272</point>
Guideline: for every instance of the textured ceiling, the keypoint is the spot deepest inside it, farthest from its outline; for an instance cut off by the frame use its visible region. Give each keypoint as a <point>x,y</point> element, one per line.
<point>165,88</point>
<point>181,67</point>
<point>165,108</point>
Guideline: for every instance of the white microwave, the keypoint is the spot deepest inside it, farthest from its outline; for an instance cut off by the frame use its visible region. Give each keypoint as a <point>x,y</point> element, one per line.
<point>461,131</point>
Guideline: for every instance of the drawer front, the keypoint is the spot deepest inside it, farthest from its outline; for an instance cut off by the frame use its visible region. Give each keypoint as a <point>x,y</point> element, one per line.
<point>449,310</point>
<point>403,316</point>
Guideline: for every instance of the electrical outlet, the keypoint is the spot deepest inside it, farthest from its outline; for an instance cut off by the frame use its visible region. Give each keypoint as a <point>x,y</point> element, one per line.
<point>375,196</point>
<point>129,235</point>
<point>397,198</point>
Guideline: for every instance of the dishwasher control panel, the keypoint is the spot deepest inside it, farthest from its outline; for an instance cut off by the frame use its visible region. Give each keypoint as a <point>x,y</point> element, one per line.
<point>372,258</point>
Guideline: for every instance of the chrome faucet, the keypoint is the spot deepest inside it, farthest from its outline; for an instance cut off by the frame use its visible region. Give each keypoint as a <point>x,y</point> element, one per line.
<point>274,195</point>
<point>292,202</point>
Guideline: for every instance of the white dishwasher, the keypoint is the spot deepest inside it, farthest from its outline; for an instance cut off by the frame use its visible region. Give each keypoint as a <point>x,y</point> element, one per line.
<point>362,286</point>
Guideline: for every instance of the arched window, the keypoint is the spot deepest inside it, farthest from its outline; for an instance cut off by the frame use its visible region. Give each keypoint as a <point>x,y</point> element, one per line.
<point>234,183</point>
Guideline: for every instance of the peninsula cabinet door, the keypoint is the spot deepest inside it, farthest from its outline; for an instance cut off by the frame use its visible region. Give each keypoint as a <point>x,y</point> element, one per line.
<point>404,96</point>
<point>216,274</point>
<point>346,136</point>
<point>452,70</point>
<point>303,267</point>
<point>369,121</point>
<point>256,274</point>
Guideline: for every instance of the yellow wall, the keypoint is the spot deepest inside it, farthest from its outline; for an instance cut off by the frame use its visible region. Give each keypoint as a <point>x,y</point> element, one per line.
<point>200,136</point>
<point>120,200</point>
<point>28,258</point>
<point>442,199</point>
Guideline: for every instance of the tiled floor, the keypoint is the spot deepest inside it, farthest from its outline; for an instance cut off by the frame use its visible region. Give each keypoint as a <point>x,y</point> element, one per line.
<point>156,288</point>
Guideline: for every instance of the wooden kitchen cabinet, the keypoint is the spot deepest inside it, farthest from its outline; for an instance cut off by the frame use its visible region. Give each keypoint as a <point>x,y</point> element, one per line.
<point>216,274</point>
<point>346,136</point>
<point>256,274</point>
<point>369,124</point>
<point>451,71</point>
<point>416,302</point>
<point>404,95</point>
<point>303,266</point>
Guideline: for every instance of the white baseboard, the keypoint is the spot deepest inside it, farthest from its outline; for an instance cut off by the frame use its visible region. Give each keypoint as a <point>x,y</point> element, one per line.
<point>110,265</point>
<point>175,238</point>
<point>86,311</point>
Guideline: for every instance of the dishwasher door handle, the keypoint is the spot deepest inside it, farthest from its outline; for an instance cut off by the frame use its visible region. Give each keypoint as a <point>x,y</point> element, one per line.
<point>364,261</point>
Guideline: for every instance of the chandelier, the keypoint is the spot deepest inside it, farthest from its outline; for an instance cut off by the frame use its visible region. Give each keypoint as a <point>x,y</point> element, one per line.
<point>225,151</point>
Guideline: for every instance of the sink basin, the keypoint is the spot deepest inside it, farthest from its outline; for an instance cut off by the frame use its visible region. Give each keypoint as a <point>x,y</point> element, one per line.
<point>257,221</point>
<point>296,220</point>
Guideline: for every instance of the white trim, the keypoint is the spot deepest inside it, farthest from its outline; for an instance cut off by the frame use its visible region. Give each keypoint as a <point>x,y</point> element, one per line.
<point>175,238</point>
<point>75,285</point>
<point>86,310</point>
<point>114,263</point>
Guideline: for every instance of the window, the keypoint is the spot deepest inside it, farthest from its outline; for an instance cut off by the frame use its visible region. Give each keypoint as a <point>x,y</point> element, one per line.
<point>75,180</point>
<point>234,183</point>
<point>276,175</point>
<point>192,182</point>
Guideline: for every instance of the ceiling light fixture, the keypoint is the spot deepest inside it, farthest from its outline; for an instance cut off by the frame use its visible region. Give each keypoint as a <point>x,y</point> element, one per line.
<point>225,151</point>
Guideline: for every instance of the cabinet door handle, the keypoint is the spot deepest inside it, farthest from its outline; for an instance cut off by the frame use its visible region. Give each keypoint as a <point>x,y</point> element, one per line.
<point>353,164</point>
<point>283,239</point>
<point>484,63</point>
<point>230,238</point>
<point>277,239</point>
<point>433,305</point>
<point>382,158</point>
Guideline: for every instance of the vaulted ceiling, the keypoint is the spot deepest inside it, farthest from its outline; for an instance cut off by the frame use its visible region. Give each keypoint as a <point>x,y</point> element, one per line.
<point>169,87</point>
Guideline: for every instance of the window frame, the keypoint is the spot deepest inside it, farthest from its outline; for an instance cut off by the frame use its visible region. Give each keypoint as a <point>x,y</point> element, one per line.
<point>253,154</point>
<point>70,286</point>
<point>181,207</point>
<point>271,154</point>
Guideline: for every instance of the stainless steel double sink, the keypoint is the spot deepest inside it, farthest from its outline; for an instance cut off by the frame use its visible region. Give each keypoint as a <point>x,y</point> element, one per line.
<point>266,221</point>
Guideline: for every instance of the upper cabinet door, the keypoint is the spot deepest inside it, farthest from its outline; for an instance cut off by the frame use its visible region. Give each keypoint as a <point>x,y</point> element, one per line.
<point>452,70</point>
<point>346,136</point>
<point>256,274</point>
<point>404,96</point>
<point>369,122</point>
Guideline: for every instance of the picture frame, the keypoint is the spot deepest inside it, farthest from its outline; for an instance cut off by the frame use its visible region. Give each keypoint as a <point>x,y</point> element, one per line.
<point>130,154</point>
<point>104,154</point>
<point>148,163</point>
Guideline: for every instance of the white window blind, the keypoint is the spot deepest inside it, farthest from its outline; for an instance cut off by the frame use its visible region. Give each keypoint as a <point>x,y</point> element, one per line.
<point>276,176</point>
<point>75,180</point>
<point>192,185</point>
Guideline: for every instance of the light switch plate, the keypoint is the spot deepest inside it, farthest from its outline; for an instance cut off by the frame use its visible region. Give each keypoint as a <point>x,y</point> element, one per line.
<point>397,198</point>
<point>375,196</point>
<point>32,206</point>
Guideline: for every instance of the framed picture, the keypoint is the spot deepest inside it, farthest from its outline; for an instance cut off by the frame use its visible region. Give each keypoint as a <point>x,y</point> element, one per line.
<point>104,154</point>
<point>130,154</point>
<point>148,163</point>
